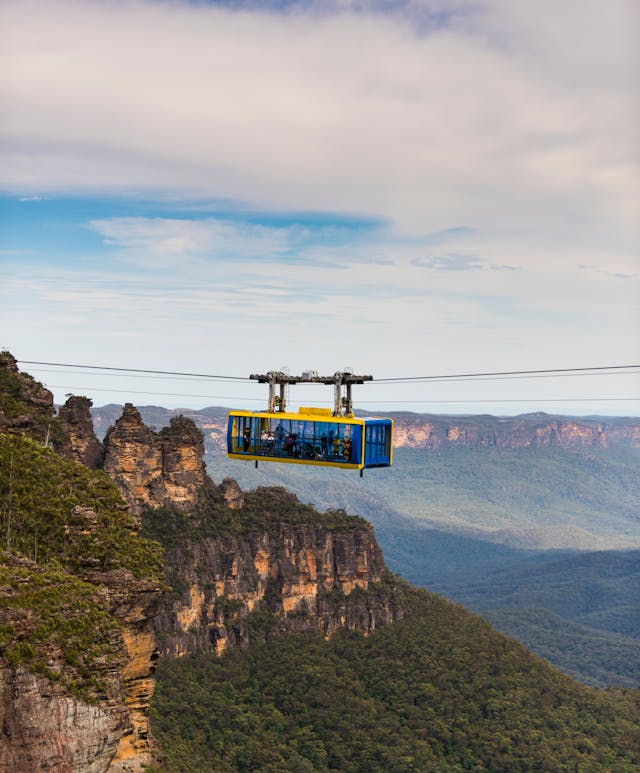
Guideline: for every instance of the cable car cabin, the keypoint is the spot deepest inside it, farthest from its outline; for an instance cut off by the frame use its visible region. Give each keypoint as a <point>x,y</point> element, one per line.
<point>311,436</point>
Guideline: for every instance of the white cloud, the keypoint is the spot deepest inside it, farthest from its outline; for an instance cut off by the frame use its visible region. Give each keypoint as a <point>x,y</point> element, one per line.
<point>518,109</point>
<point>166,241</point>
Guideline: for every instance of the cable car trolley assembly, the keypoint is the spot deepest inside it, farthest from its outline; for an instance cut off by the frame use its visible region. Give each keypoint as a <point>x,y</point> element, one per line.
<point>317,436</point>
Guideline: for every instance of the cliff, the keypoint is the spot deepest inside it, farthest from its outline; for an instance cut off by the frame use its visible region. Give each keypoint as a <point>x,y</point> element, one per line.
<point>26,406</point>
<point>78,589</point>
<point>276,566</point>
<point>76,670</point>
<point>527,431</point>
<point>155,469</point>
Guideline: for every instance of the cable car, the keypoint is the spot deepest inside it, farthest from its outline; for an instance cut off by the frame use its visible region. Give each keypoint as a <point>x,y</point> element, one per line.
<point>312,436</point>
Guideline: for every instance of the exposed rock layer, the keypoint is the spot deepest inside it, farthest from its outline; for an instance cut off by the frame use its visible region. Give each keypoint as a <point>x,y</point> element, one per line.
<point>134,603</point>
<point>81,443</point>
<point>306,576</point>
<point>155,469</point>
<point>45,728</point>
<point>530,431</point>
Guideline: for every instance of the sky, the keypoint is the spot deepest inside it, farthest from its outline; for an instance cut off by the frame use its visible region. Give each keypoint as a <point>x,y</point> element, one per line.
<point>401,188</point>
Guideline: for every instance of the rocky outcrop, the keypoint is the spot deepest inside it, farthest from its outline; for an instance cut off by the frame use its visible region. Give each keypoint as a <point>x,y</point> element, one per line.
<point>183,468</point>
<point>26,406</point>
<point>133,602</point>
<point>80,442</point>
<point>152,469</point>
<point>133,460</point>
<point>313,576</point>
<point>46,728</point>
<point>46,723</point>
<point>232,494</point>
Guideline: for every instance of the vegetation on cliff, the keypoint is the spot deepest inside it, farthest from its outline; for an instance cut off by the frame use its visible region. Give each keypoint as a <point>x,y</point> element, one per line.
<point>439,690</point>
<point>25,405</point>
<point>53,508</point>
<point>57,626</point>
<point>265,510</point>
<point>61,521</point>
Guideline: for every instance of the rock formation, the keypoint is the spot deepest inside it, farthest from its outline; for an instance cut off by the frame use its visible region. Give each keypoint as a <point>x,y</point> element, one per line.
<point>183,468</point>
<point>528,431</point>
<point>133,460</point>
<point>46,728</point>
<point>46,725</point>
<point>134,603</point>
<point>80,443</point>
<point>152,469</point>
<point>314,575</point>
<point>232,493</point>
<point>25,405</point>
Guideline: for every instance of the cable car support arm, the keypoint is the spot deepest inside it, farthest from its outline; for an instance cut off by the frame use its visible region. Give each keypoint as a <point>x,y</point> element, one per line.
<point>342,403</point>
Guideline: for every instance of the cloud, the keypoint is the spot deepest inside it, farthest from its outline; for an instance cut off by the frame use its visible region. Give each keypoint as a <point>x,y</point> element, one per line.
<point>164,241</point>
<point>456,262</point>
<point>450,263</point>
<point>428,114</point>
<point>305,159</point>
<point>609,273</point>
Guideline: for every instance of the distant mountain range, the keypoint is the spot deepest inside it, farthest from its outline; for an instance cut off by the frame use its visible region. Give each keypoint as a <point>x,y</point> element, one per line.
<point>435,432</point>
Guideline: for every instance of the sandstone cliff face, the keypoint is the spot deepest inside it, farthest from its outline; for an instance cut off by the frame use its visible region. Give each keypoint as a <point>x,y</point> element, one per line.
<point>134,603</point>
<point>45,728</point>
<point>308,576</point>
<point>155,469</point>
<point>80,443</point>
<point>433,433</point>
<point>44,724</point>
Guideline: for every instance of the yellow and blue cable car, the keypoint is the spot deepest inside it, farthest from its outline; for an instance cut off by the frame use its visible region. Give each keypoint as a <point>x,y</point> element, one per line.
<point>312,436</point>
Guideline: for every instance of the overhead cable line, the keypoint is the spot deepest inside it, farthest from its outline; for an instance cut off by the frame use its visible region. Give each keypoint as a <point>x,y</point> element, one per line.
<point>591,371</point>
<point>433,380</point>
<point>508,373</point>
<point>134,370</point>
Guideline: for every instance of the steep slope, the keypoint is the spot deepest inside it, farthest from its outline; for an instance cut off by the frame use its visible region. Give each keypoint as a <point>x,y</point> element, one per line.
<point>268,564</point>
<point>77,593</point>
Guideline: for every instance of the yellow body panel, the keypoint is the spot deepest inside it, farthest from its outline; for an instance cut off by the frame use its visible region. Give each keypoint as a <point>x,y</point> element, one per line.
<point>285,460</point>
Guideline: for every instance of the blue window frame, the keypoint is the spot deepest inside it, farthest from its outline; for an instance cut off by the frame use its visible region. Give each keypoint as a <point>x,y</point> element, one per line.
<point>302,439</point>
<point>377,443</point>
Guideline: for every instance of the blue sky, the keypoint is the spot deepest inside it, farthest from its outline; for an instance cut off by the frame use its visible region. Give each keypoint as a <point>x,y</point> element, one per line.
<point>408,188</point>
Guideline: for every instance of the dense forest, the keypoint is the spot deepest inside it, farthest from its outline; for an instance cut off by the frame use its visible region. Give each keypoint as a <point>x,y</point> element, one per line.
<point>438,691</point>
